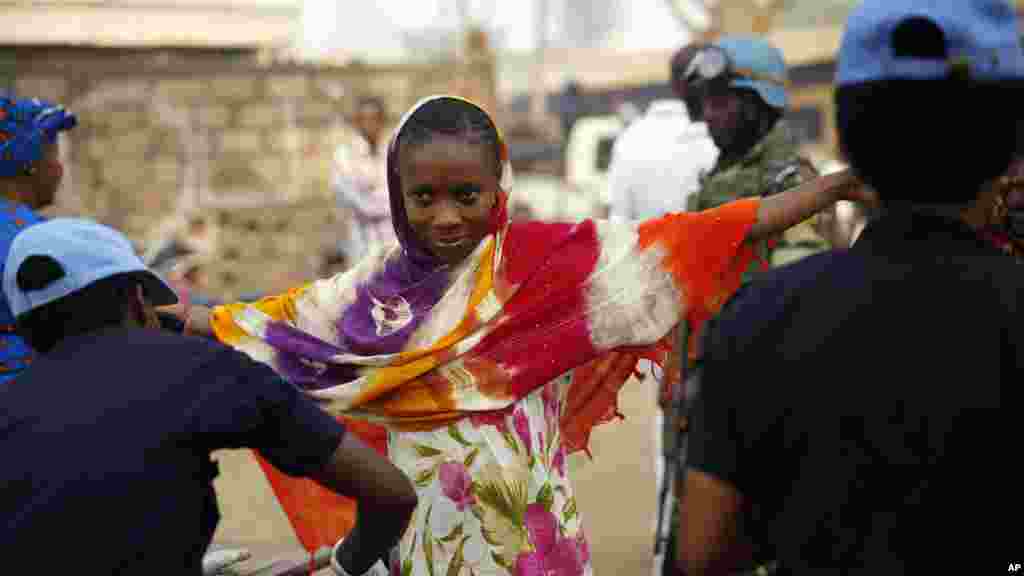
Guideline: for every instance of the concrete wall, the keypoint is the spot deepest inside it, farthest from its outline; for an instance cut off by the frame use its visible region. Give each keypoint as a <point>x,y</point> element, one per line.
<point>249,144</point>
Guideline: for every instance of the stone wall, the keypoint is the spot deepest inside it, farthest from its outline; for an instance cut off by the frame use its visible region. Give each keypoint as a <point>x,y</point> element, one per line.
<point>166,134</point>
<point>270,248</point>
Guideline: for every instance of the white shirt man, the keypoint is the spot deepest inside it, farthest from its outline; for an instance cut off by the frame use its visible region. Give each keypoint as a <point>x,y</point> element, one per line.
<point>360,185</point>
<point>657,162</point>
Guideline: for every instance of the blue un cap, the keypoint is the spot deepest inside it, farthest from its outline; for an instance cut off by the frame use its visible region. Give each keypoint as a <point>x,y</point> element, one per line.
<point>758,66</point>
<point>25,127</point>
<point>87,252</point>
<point>981,39</point>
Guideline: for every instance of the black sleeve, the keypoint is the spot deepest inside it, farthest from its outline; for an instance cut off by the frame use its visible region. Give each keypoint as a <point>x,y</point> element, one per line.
<point>245,404</point>
<point>1013,346</point>
<point>730,418</point>
<point>170,323</point>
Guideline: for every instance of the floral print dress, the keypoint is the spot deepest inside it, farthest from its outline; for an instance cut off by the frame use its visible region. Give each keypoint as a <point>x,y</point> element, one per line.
<point>494,497</point>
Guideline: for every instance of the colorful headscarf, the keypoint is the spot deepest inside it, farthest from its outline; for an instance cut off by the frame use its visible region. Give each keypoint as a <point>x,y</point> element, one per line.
<point>413,280</point>
<point>407,343</point>
<point>25,127</point>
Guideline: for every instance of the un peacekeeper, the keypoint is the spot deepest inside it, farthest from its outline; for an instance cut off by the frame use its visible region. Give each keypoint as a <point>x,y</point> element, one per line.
<point>742,83</point>
<point>741,86</point>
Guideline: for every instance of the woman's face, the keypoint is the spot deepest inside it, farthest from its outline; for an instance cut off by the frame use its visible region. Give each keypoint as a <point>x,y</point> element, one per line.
<point>449,187</point>
<point>46,180</point>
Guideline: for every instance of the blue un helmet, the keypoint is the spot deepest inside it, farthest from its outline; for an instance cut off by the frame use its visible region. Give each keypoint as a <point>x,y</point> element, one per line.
<point>25,127</point>
<point>746,62</point>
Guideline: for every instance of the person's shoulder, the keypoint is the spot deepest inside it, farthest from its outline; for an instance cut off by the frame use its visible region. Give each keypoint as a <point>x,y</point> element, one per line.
<point>629,135</point>
<point>763,298</point>
<point>802,273</point>
<point>208,357</point>
<point>780,139</point>
<point>13,219</point>
<point>170,345</point>
<point>621,146</point>
<point>734,181</point>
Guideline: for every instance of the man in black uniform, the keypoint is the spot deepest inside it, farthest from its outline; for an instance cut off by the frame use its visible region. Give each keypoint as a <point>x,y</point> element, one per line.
<point>847,401</point>
<point>106,439</point>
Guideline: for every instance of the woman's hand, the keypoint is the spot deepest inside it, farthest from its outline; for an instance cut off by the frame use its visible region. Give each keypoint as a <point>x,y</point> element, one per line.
<point>177,310</point>
<point>781,211</point>
<point>196,318</point>
<point>848,187</point>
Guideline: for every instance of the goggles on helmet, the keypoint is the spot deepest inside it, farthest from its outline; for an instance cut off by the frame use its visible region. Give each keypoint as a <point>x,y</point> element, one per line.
<point>712,63</point>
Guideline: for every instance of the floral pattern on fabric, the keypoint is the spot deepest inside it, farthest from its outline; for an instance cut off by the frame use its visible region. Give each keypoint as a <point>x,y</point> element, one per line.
<point>15,353</point>
<point>457,357</point>
<point>494,495</point>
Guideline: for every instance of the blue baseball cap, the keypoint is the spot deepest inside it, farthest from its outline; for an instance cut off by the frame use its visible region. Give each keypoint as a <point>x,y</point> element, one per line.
<point>757,56</point>
<point>981,38</point>
<point>25,127</point>
<point>88,252</point>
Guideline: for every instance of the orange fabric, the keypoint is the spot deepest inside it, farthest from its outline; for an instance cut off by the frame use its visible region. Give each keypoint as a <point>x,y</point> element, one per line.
<point>318,516</point>
<point>707,257</point>
<point>593,396</point>
<point>705,254</point>
<point>281,307</point>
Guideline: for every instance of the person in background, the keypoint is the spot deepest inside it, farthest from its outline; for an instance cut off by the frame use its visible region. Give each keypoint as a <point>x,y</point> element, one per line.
<point>114,424</point>
<point>30,174</point>
<point>572,107</point>
<point>332,262</point>
<point>360,182</point>
<point>880,466</point>
<point>490,348</point>
<point>657,164</point>
<point>741,86</point>
<point>187,274</point>
<point>658,160</point>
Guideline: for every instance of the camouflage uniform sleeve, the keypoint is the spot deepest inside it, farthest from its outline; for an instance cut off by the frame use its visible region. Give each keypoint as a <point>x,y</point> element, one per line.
<point>740,181</point>
<point>803,239</point>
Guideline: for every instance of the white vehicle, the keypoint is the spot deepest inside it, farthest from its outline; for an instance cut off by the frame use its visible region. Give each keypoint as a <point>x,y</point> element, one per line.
<point>588,155</point>
<point>548,197</point>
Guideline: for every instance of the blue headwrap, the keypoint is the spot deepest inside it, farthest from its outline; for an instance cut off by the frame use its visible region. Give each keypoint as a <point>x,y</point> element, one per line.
<point>25,126</point>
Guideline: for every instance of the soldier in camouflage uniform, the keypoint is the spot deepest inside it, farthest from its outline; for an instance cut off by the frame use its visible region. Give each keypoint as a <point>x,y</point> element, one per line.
<point>743,104</point>
<point>742,87</point>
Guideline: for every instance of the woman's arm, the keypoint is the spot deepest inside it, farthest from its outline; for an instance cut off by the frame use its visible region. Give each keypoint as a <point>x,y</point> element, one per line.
<point>781,211</point>
<point>198,321</point>
<point>194,319</point>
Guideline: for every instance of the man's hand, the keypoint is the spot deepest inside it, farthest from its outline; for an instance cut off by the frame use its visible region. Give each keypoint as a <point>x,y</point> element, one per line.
<point>708,534</point>
<point>196,318</point>
<point>386,497</point>
<point>175,310</point>
<point>216,561</point>
<point>849,187</point>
